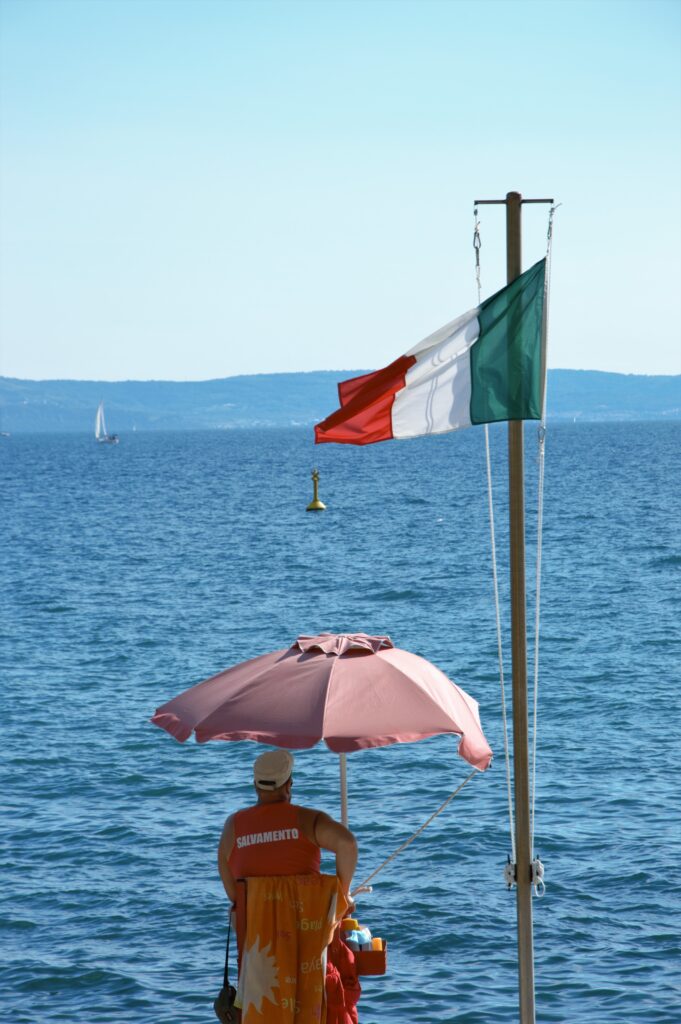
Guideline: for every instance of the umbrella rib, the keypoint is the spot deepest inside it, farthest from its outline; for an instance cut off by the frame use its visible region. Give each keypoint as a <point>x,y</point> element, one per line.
<point>332,672</point>
<point>326,696</point>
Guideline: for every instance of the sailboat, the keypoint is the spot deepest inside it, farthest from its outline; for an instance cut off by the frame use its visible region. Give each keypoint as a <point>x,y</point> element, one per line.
<point>100,428</point>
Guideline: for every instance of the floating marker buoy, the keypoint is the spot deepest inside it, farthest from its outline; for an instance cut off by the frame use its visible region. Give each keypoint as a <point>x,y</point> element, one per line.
<point>315,505</point>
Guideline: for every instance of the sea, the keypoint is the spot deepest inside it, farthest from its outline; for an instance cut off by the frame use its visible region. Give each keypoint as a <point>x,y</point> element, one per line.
<point>129,573</point>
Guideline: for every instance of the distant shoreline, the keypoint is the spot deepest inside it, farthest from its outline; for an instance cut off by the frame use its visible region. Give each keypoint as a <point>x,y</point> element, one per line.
<point>556,421</point>
<point>292,399</point>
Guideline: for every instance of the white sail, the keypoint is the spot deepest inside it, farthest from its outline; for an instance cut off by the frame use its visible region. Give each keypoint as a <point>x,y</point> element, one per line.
<point>100,425</point>
<point>101,432</point>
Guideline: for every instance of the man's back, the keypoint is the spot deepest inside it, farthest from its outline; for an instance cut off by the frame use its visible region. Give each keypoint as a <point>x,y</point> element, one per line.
<point>270,839</point>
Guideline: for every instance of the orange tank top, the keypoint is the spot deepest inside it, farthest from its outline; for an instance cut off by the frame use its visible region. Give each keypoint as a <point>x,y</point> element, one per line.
<point>268,840</point>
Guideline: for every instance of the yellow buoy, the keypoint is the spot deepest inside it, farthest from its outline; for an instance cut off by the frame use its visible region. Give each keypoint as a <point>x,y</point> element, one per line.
<point>315,505</point>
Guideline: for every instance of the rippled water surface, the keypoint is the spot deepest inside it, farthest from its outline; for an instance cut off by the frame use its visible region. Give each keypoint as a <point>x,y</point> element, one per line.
<point>130,573</point>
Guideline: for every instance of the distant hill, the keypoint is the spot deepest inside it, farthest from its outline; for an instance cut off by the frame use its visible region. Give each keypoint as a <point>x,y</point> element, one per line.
<point>289,399</point>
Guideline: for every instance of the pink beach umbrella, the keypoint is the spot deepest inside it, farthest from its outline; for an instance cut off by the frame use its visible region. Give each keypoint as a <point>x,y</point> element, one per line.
<point>351,690</point>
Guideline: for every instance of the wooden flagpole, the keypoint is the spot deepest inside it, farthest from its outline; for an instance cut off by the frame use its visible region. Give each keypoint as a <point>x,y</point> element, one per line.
<point>513,203</point>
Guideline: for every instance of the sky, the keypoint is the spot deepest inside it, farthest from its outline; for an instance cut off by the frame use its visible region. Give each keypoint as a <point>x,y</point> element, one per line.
<point>193,189</point>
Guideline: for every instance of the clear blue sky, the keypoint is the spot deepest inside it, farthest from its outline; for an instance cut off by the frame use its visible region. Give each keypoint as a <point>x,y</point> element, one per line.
<point>195,189</point>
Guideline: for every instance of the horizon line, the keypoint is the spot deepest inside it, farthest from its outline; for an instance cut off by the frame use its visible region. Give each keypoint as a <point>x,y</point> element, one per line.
<point>276,373</point>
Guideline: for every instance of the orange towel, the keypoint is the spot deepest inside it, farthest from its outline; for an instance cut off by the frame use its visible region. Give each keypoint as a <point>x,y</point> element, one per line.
<point>289,923</point>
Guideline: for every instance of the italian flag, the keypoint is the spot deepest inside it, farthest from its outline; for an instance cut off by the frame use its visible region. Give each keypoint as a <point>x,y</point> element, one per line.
<point>483,367</point>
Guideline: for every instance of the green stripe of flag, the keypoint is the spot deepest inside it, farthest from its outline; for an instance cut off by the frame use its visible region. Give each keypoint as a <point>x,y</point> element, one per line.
<point>506,360</point>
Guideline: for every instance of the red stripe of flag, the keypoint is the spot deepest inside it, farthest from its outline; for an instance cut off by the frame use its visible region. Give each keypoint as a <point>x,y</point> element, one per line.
<point>366,406</point>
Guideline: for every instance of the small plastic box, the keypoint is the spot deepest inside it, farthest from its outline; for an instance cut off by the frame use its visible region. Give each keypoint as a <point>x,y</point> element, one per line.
<point>372,961</point>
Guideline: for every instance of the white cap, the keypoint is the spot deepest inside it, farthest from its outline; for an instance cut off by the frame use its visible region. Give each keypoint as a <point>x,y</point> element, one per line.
<point>272,769</point>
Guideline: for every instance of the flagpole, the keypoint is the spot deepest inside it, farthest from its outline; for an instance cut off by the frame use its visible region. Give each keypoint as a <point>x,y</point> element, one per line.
<point>516,493</point>
<point>523,841</point>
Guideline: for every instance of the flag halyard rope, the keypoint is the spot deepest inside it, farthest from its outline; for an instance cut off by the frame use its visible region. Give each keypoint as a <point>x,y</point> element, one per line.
<point>500,652</point>
<point>538,867</point>
<point>477,245</point>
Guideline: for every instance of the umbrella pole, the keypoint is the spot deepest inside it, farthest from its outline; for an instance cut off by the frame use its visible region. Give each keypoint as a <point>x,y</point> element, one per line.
<point>344,789</point>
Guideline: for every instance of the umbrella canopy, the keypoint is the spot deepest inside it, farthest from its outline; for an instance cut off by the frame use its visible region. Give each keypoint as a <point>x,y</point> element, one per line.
<point>352,690</point>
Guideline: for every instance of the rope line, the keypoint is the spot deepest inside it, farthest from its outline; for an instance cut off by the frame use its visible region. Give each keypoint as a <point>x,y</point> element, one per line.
<point>537,610</point>
<point>540,526</point>
<point>477,245</point>
<point>364,884</point>
<point>500,651</point>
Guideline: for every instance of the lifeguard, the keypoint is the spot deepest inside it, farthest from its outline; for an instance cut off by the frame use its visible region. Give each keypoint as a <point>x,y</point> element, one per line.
<point>276,837</point>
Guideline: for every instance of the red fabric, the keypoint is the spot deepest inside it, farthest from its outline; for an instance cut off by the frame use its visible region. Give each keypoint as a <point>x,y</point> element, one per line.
<point>365,415</point>
<point>335,998</point>
<point>281,847</point>
<point>341,971</point>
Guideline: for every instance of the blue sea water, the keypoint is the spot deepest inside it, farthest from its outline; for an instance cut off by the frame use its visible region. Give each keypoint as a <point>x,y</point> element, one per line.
<point>130,573</point>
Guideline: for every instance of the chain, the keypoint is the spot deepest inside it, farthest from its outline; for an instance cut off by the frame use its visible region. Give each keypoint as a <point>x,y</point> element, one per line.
<point>477,244</point>
<point>549,230</point>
